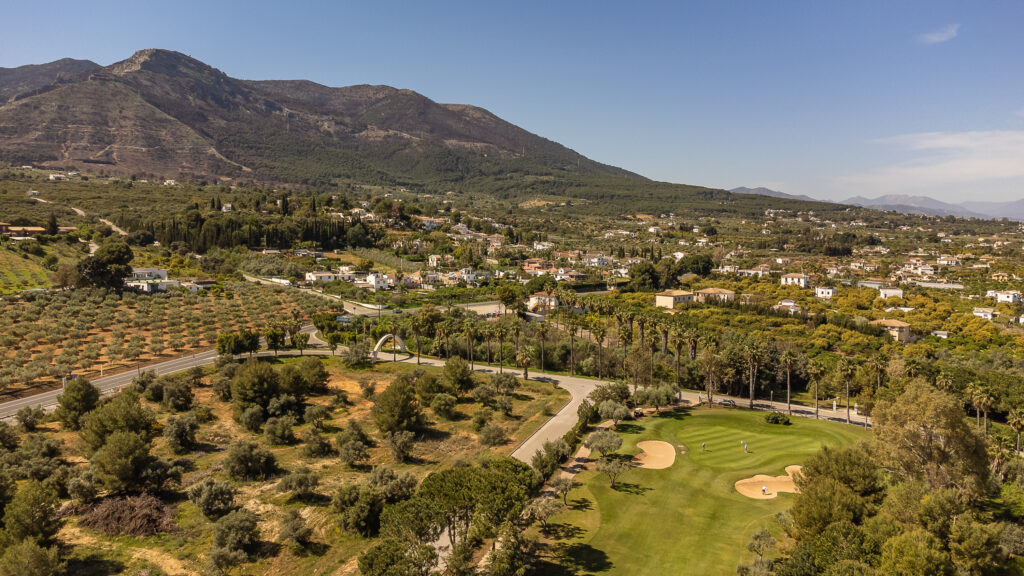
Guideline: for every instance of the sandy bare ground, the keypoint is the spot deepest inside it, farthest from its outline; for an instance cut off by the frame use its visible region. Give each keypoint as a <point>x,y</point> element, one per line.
<point>751,487</point>
<point>656,455</point>
<point>75,536</point>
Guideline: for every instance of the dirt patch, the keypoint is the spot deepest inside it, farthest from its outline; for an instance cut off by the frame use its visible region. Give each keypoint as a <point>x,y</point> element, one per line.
<point>656,455</point>
<point>765,487</point>
<point>75,536</point>
<point>682,449</point>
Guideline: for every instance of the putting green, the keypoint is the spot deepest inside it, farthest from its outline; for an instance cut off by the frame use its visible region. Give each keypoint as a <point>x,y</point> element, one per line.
<point>688,518</point>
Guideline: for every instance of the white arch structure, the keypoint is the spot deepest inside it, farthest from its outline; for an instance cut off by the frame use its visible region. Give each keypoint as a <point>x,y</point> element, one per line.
<point>380,344</point>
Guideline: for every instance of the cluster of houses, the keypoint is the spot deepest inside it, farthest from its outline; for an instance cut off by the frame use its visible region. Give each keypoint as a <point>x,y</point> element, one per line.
<point>378,281</point>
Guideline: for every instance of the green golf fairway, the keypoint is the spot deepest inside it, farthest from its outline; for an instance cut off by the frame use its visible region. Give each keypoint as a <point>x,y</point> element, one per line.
<point>688,518</point>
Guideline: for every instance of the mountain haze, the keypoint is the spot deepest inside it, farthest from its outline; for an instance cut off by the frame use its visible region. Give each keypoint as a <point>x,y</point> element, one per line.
<point>761,191</point>
<point>915,205</point>
<point>163,113</point>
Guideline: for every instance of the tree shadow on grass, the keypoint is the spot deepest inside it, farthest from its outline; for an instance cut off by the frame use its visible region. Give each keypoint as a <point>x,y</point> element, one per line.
<point>629,428</point>
<point>680,413</point>
<point>576,465</point>
<point>313,499</point>
<point>631,488</point>
<point>562,531</point>
<point>267,549</point>
<point>580,504</point>
<point>434,434</point>
<point>94,565</point>
<point>312,548</point>
<point>578,557</point>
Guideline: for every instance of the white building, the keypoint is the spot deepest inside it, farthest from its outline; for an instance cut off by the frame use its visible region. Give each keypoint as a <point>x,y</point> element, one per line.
<point>1007,296</point>
<point>542,302</point>
<point>150,280</point>
<point>321,277</point>
<point>986,313</point>
<point>787,306</point>
<point>886,293</point>
<point>139,274</point>
<point>373,281</point>
<point>801,280</point>
<point>825,292</point>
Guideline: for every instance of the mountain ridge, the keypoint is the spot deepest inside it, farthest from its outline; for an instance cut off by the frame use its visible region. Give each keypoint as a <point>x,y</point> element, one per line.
<point>762,191</point>
<point>912,204</point>
<point>165,113</point>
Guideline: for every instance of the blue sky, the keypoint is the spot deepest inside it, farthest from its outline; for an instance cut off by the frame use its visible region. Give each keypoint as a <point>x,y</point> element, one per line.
<point>824,98</point>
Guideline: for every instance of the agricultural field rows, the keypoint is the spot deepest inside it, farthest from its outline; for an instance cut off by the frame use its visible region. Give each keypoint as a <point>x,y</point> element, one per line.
<point>54,334</point>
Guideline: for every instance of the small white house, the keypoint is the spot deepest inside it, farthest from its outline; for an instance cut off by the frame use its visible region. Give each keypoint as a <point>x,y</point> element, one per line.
<point>825,292</point>
<point>787,306</point>
<point>986,313</point>
<point>321,277</point>
<point>374,282</point>
<point>147,274</point>
<point>150,280</point>
<point>801,280</point>
<point>542,302</point>
<point>886,293</point>
<point>1008,296</point>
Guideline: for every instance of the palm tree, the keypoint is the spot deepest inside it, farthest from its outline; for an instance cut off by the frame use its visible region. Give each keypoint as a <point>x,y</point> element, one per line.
<point>1015,419</point>
<point>516,330</point>
<point>652,345</point>
<point>985,402</point>
<point>542,331</point>
<point>469,329</point>
<point>488,334</point>
<point>569,323</point>
<point>663,327</point>
<point>753,353</point>
<point>974,394</point>
<point>501,331</point>
<point>845,370</point>
<point>599,331</point>
<point>418,324</point>
<point>439,336</point>
<point>678,342</point>
<point>878,364</point>
<point>788,360</point>
<point>524,358</point>
<point>815,372</point>
<point>692,337</point>
<point>711,363</point>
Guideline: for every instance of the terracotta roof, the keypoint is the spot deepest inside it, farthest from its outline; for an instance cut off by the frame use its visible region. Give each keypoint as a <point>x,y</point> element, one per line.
<point>890,323</point>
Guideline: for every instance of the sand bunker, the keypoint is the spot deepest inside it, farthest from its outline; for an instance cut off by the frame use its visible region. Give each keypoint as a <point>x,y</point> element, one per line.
<point>751,487</point>
<point>656,455</point>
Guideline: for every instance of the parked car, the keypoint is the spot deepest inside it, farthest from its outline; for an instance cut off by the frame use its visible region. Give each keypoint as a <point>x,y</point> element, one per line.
<point>725,402</point>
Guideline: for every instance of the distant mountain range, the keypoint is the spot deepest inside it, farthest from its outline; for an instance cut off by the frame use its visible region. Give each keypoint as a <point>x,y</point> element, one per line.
<point>164,113</point>
<point>924,205</point>
<point>761,191</point>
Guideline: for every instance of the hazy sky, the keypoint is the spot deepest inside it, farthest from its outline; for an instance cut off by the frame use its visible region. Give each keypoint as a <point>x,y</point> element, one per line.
<point>830,99</point>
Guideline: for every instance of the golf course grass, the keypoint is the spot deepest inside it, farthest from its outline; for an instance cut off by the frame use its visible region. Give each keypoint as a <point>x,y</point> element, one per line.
<point>688,518</point>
